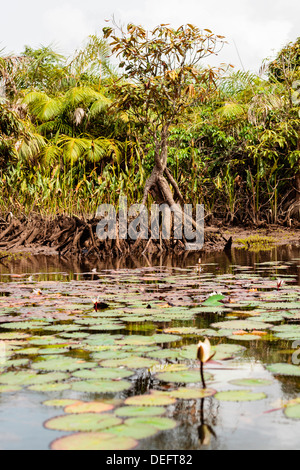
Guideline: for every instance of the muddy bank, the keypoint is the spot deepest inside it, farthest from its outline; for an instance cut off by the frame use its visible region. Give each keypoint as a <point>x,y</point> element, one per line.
<point>71,236</point>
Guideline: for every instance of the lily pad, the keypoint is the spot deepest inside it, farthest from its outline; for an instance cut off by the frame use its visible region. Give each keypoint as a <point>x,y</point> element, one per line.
<point>102,373</point>
<point>159,423</point>
<point>292,411</point>
<point>88,407</point>
<point>185,393</point>
<point>136,411</point>
<point>135,431</point>
<point>94,441</point>
<point>83,422</point>
<point>183,376</point>
<point>282,369</point>
<point>133,362</point>
<point>242,325</point>
<point>239,395</point>
<point>101,386</point>
<point>50,387</point>
<point>156,398</point>
<point>251,382</point>
<point>66,364</point>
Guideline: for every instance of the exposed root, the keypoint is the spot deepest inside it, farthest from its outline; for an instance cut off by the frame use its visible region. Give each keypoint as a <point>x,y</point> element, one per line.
<point>71,236</point>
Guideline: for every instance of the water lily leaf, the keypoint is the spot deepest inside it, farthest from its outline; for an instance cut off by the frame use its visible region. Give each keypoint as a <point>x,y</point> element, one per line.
<point>244,337</point>
<point>183,376</point>
<point>135,431</point>
<point>185,330</point>
<point>282,369</point>
<point>292,411</point>
<point>133,362</point>
<point>110,354</point>
<point>16,363</point>
<point>164,354</point>
<point>61,403</point>
<point>25,325</point>
<point>213,300</point>
<point>164,338</point>
<point>9,388</point>
<point>94,441</point>
<point>102,373</point>
<point>159,423</point>
<point>155,398</point>
<point>185,393</point>
<point>136,411</point>
<point>50,387</point>
<point>30,378</point>
<point>251,382</point>
<point>13,335</point>
<point>101,386</point>
<point>242,325</point>
<point>82,422</point>
<point>67,364</point>
<point>137,340</point>
<point>239,395</point>
<point>88,407</point>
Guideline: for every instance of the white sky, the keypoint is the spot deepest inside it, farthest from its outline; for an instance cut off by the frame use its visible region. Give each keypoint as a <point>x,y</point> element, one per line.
<point>257,29</point>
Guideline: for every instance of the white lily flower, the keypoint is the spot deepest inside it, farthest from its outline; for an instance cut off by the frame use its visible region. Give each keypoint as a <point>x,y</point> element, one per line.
<point>204,353</point>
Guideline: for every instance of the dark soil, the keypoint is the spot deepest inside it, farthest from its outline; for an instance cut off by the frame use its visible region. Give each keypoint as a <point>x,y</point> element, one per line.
<point>71,236</point>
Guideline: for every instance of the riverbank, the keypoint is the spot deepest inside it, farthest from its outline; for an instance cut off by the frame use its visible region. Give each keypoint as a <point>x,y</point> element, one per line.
<point>71,236</point>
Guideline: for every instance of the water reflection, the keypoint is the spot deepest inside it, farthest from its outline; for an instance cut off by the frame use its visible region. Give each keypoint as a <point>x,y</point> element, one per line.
<point>205,430</point>
<point>218,263</point>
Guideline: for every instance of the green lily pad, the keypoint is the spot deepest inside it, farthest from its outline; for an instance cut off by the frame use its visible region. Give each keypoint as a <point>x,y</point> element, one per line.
<point>50,387</point>
<point>164,338</point>
<point>137,340</point>
<point>88,407</point>
<point>102,373</point>
<point>157,422</point>
<point>135,431</point>
<point>239,395</point>
<point>13,335</point>
<point>242,325</point>
<point>110,354</point>
<point>101,386</point>
<point>183,376</point>
<point>64,364</point>
<point>9,388</point>
<point>282,369</point>
<point>25,325</point>
<point>292,411</point>
<point>185,393</point>
<point>83,422</point>
<point>30,378</point>
<point>94,441</point>
<point>133,362</point>
<point>251,382</point>
<point>213,300</point>
<point>136,411</point>
<point>164,354</point>
<point>60,403</point>
<point>156,398</point>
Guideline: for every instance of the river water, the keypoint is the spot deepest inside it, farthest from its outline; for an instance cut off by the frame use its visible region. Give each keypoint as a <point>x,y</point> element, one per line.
<point>51,290</point>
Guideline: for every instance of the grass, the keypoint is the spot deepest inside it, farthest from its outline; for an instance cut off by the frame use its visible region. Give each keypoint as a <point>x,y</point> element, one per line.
<point>257,243</point>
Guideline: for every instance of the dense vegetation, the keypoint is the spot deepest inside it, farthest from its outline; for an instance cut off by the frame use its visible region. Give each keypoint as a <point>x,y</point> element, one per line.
<point>65,147</point>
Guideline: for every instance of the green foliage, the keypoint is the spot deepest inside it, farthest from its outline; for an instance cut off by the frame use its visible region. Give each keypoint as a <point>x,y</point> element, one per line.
<point>73,133</point>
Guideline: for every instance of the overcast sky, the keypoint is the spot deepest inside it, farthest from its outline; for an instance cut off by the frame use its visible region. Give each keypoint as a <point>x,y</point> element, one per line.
<point>255,29</point>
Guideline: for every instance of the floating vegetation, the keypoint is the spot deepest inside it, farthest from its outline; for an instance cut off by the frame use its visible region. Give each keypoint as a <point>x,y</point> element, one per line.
<point>257,243</point>
<point>128,371</point>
